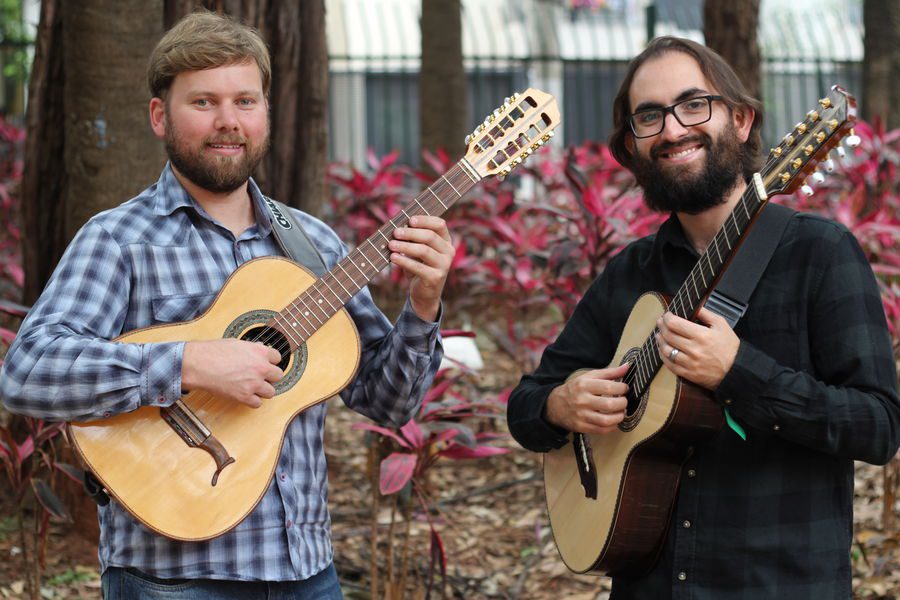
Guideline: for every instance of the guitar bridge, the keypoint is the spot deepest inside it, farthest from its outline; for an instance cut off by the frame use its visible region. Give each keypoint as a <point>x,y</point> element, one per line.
<point>587,470</point>
<point>191,429</point>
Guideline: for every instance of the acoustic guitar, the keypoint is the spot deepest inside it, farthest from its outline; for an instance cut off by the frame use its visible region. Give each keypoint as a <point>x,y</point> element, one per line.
<point>610,497</point>
<point>194,470</point>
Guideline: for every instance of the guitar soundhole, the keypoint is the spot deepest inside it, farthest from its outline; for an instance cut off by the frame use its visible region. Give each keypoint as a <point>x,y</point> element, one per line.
<point>273,339</point>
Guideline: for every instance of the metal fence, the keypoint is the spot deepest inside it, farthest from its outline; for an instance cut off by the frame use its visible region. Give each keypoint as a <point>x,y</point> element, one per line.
<point>579,55</point>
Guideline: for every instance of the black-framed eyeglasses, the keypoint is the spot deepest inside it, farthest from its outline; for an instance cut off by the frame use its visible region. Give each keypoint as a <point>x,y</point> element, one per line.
<point>693,111</point>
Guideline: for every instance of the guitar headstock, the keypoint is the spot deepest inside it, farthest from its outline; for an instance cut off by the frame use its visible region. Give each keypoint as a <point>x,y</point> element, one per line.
<point>796,157</point>
<point>512,133</point>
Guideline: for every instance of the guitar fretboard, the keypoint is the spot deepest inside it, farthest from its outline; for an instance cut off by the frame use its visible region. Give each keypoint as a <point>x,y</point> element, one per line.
<point>690,296</point>
<point>319,302</point>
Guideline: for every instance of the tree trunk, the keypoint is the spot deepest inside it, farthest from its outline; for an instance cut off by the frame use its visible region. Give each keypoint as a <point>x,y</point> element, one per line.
<point>43,178</point>
<point>442,79</point>
<point>110,153</point>
<point>294,169</point>
<point>730,28</point>
<point>881,66</point>
<point>312,114</point>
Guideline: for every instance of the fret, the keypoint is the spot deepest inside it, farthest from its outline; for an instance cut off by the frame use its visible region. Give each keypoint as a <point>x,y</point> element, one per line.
<point>424,210</point>
<point>716,246</point>
<point>346,291</point>
<point>306,312</point>
<point>705,285</point>
<point>298,317</point>
<point>384,236</point>
<point>438,198</point>
<point>377,250</point>
<point>358,287</point>
<point>694,282</point>
<point>451,186</point>
<point>359,266</point>
<point>287,332</point>
<point>324,297</point>
<point>744,206</point>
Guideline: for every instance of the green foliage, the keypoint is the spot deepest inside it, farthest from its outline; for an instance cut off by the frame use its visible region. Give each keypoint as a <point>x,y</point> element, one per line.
<point>14,41</point>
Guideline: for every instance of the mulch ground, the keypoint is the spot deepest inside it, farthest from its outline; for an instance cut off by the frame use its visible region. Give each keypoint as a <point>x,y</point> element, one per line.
<point>490,516</point>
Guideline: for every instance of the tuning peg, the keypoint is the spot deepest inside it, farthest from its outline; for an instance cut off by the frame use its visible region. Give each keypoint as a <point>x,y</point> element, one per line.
<point>841,152</point>
<point>817,177</point>
<point>829,163</point>
<point>853,140</point>
<point>807,190</point>
<point>468,139</point>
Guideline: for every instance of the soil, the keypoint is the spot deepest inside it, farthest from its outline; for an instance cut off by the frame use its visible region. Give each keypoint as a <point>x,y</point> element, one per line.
<point>491,518</point>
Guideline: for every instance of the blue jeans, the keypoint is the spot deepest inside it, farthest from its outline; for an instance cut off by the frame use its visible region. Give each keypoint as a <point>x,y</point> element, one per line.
<point>131,584</point>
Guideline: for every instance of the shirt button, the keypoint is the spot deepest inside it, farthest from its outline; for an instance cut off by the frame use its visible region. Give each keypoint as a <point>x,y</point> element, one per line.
<point>682,576</point>
<point>727,400</point>
<point>282,477</point>
<point>686,524</point>
<point>692,473</point>
<point>777,427</point>
<point>289,523</point>
<point>106,413</point>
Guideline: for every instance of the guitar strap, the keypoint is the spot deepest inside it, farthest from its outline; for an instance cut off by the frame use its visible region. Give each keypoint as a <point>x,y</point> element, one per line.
<point>292,238</point>
<point>732,295</point>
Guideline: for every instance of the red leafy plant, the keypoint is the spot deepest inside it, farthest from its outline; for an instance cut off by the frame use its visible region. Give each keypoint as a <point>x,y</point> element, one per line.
<point>30,466</point>
<point>405,456</point>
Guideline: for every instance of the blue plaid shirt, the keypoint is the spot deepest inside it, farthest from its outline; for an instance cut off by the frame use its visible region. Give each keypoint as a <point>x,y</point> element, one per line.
<point>161,258</point>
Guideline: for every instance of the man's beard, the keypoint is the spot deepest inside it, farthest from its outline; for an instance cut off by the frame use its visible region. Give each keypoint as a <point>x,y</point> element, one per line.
<point>680,190</point>
<point>217,174</point>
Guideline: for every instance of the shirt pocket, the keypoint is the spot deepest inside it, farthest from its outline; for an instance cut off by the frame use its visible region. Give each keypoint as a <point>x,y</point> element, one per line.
<point>183,307</point>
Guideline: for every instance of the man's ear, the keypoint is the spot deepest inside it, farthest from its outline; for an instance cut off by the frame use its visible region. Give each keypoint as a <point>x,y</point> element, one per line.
<point>743,121</point>
<point>158,117</point>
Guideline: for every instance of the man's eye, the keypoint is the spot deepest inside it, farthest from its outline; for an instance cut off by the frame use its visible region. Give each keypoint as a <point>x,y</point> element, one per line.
<point>201,102</point>
<point>694,105</point>
<point>649,117</point>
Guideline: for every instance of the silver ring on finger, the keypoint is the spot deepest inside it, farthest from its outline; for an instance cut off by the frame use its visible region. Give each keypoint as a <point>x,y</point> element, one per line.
<point>673,354</point>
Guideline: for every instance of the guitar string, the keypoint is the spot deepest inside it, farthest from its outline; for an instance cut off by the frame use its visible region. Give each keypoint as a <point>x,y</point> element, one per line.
<point>203,398</point>
<point>399,220</point>
<point>310,293</point>
<point>649,350</point>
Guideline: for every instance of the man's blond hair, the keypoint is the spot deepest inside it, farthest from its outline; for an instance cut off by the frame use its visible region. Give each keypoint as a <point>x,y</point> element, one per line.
<point>206,40</point>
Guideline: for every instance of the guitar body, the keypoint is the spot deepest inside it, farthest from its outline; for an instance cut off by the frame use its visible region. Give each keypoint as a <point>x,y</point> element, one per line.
<point>167,484</point>
<point>637,467</point>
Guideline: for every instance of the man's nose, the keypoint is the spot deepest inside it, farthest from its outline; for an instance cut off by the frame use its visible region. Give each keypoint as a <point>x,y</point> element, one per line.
<point>226,118</point>
<point>672,129</point>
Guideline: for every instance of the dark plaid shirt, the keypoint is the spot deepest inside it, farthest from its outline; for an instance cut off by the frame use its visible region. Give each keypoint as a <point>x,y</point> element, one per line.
<point>815,386</point>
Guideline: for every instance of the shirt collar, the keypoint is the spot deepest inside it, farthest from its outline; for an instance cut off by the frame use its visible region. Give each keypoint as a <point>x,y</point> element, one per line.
<point>171,196</point>
<point>671,233</point>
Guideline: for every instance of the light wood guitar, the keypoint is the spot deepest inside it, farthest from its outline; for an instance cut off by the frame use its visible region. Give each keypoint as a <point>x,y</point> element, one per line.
<point>610,496</point>
<point>195,470</point>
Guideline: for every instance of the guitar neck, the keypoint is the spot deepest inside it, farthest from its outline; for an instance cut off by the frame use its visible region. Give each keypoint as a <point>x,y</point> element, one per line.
<point>318,303</point>
<point>698,285</point>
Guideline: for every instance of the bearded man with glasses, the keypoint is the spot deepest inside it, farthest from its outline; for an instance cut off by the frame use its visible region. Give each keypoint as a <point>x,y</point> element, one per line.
<point>808,371</point>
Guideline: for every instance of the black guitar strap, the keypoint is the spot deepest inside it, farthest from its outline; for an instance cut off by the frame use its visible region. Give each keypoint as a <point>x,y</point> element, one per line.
<point>732,295</point>
<point>292,238</point>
